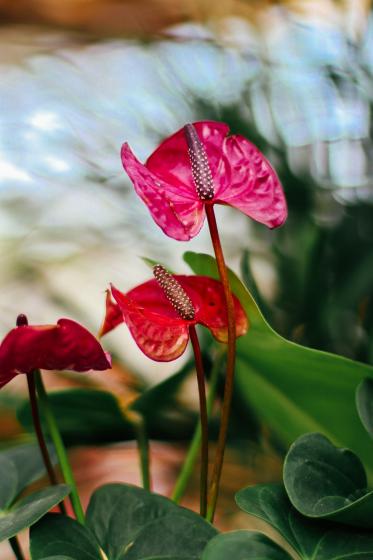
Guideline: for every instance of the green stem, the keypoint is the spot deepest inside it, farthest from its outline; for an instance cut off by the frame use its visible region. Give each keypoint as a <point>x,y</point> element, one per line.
<point>231,357</point>
<point>139,426</point>
<point>39,433</point>
<point>203,419</point>
<point>60,448</point>
<point>191,458</point>
<point>16,547</point>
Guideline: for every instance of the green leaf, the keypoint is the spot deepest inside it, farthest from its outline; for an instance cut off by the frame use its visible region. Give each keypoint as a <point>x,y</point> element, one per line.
<point>58,535</point>
<point>29,510</point>
<point>151,263</point>
<point>364,403</point>
<point>8,481</point>
<point>243,545</point>
<point>325,482</point>
<point>162,394</point>
<point>19,466</point>
<point>59,558</point>
<point>131,523</point>
<point>83,416</point>
<point>87,416</point>
<point>310,539</point>
<point>290,386</point>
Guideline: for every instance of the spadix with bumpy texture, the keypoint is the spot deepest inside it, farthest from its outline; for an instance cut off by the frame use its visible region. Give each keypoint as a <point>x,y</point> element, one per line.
<point>199,165</point>
<point>155,323</point>
<point>174,292</point>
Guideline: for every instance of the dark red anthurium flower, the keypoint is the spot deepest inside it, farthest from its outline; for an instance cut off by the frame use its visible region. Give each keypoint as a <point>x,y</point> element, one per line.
<point>160,311</point>
<point>66,345</point>
<point>198,165</point>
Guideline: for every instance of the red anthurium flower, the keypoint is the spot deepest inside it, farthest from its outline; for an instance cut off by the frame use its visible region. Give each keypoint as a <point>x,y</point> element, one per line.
<point>160,311</point>
<point>66,345</point>
<point>198,165</point>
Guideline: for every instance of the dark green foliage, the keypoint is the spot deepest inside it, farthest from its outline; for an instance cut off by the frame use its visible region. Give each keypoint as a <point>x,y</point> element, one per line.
<point>19,467</point>
<point>323,481</point>
<point>128,523</point>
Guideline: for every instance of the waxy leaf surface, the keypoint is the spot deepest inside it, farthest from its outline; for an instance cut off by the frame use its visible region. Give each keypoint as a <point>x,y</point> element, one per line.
<point>243,545</point>
<point>57,535</point>
<point>19,466</point>
<point>323,481</point>
<point>127,523</point>
<point>310,539</point>
<point>364,403</point>
<point>292,388</point>
<point>133,524</point>
<point>28,511</point>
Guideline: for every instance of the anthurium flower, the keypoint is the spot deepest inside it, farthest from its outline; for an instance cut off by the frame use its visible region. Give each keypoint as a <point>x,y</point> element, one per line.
<point>160,311</point>
<point>66,345</point>
<point>200,165</point>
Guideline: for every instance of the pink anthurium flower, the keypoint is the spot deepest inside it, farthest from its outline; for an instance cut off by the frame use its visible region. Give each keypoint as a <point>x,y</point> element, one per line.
<point>160,311</point>
<point>66,345</point>
<point>202,165</point>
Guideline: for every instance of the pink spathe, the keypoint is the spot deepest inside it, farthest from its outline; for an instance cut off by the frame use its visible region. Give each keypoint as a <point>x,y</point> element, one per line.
<point>242,178</point>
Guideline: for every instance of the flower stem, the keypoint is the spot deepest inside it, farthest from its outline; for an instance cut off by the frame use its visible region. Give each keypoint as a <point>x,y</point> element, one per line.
<point>39,433</point>
<point>60,448</point>
<point>203,418</point>
<point>16,547</point>
<point>192,454</point>
<point>139,426</point>
<point>231,356</point>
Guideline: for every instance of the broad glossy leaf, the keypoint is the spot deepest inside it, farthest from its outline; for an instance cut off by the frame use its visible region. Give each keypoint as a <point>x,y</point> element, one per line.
<point>84,416</point>
<point>8,481</point>
<point>323,481</point>
<point>364,403</point>
<point>19,466</point>
<point>57,535</point>
<point>87,416</point>
<point>243,545</point>
<point>310,539</point>
<point>132,524</point>
<point>59,558</point>
<point>29,510</point>
<point>292,388</point>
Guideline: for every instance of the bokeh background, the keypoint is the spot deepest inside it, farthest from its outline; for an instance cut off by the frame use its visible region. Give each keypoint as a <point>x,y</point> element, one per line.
<point>80,77</point>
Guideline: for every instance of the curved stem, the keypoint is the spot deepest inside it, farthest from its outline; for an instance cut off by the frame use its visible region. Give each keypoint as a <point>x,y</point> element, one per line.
<point>203,418</point>
<point>231,356</point>
<point>191,457</point>
<point>60,448</point>
<point>139,427</point>
<point>39,433</point>
<point>16,547</point>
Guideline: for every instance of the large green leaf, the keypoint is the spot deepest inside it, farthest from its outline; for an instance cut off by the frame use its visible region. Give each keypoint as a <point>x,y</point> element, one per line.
<point>323,481</point>
<point>243,545</point>
<point>364,404</point>
<point>19,466</point>
<point>292,388</point>
<point>57,535</point>
<point>131,523</point>
<point>87,416</point>
<point>29,510</point>
<point>311,540</point>
<point>84,416</point>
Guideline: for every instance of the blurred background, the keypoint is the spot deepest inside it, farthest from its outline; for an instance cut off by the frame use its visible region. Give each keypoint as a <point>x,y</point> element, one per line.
<point>80,77</point>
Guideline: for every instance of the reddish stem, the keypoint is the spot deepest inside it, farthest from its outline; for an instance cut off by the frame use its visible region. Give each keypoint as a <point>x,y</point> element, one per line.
<point>39,434</point>
<point>231,356</point>
<point>204,419</point>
